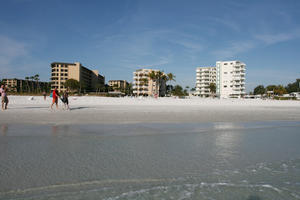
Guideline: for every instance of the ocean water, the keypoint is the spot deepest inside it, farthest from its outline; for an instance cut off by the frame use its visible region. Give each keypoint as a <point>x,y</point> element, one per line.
<point>246,161</point>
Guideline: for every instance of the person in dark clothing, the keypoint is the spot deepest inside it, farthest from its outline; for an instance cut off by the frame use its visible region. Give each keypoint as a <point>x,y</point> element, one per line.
<point>65,99</point>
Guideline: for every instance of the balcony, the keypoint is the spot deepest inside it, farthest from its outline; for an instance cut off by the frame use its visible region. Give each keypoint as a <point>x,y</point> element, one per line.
<point>236,93</point>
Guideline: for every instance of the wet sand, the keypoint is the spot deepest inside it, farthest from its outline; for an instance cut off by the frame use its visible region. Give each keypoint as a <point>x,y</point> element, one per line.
<point>222,161</point>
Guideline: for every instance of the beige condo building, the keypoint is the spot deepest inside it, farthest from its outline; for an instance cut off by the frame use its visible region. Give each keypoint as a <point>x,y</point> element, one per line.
<point>60,72</point>
<point>121,84</point>
<point>144,86</point>
<point>204,77</point>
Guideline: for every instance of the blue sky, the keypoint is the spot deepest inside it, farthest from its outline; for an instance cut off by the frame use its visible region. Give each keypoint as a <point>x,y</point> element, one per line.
<point>119,36</point>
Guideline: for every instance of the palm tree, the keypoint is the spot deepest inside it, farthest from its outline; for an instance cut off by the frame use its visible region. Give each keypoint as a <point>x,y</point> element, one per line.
<point>212,88</point>
<point>36,78</point>
<point>128,89</point>
<point>171,77</point>
<point>153,76</point>
<point>32,83</point>
<point>27,81</point>
<point>157,77</point>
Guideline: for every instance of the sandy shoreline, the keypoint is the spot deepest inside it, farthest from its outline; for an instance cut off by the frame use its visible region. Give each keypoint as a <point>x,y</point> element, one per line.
<point>104,110</point>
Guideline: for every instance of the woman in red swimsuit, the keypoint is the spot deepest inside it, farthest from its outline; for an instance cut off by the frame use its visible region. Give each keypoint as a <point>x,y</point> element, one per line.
<point>55,96</point>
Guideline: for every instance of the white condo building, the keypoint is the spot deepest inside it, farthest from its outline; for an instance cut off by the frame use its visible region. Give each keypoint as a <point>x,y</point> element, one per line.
<point>204,77</point>
<point>230,79</point>
<point>144,86</point>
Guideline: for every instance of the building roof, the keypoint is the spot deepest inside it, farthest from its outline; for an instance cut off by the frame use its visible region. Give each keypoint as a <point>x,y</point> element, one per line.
<point>117,80</point>
<point>63,63</point>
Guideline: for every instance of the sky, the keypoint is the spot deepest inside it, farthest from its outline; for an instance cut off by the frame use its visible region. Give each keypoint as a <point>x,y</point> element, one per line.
<point>117,37</point>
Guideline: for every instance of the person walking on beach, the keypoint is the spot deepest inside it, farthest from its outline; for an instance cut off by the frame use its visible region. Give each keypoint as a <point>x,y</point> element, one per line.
<point>65,99</point>
<point>55,96</point>
<point>1,89</point>
<point>44,94</point>
<point>4,99</point>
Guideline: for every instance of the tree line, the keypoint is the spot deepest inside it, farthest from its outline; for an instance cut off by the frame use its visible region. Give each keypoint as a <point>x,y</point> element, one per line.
<point>31,84</point>
<point>278,89</point>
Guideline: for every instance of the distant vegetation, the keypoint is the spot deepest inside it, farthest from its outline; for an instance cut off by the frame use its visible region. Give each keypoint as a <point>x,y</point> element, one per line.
<point>177,90</point>
<point>278,89</point>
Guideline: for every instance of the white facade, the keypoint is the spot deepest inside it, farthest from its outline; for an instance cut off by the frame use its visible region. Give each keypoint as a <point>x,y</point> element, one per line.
<point>144,86</point>
<point>204,77</point>
<point>230,80</point>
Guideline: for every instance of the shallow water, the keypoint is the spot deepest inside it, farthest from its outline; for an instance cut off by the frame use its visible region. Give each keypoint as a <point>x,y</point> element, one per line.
<point>249,161</point>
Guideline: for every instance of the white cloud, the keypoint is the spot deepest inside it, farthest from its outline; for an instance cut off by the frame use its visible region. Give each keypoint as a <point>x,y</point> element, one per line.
<point>10,49</point>
<point>226,22</point>
<point>16,60</point>
<point>190,45</point>
<point>160,63</point>
<point>280,37</point>
<point>233,49</point>
<point>236,47</point>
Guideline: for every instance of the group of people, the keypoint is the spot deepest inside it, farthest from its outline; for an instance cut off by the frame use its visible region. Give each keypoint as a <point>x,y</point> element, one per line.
<point>4,98</point>
<point>55,95</point>
<point>64,98</point>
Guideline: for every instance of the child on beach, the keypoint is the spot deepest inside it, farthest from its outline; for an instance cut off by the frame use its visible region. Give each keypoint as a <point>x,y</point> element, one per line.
<point>44,94</point>
<point>4,99</point>
<point>65,99</point>
<point>55,96</point>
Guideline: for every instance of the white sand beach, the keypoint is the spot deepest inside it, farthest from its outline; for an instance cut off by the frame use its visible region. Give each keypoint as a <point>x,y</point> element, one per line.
<point>105,110</point>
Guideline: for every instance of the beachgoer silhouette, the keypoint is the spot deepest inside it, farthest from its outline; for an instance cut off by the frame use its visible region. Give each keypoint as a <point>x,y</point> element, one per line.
<point>55,96</point>
<point>4,98</point>
<point>65,99</point>
<point>44,94</point>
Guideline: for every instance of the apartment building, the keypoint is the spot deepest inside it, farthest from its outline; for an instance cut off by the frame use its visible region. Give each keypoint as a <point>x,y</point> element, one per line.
<point>120,84</point>
<point>204,77</point>
<point>230,80</point>
<point>229,77</point>
<point>19,85</point>
<point>60,72</point>
<point>144,86</point>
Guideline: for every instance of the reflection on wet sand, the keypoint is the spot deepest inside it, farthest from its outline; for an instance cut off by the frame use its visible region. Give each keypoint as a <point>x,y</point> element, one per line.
<point>226,140</point>
<point>4,129</point>
<point>61,130</point>
<point>54,130</point>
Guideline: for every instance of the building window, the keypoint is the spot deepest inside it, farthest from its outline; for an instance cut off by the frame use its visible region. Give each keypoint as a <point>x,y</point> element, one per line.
<point>225,86</point>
